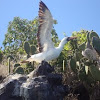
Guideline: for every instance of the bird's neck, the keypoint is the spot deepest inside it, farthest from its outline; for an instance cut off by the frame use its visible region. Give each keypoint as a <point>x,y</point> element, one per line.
<point>61,45</point>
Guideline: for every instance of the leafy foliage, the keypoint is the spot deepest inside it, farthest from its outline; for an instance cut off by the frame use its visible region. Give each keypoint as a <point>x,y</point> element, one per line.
<point>19,31</point>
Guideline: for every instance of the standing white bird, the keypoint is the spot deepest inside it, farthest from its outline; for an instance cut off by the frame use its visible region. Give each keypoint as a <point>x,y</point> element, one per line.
<point>46,47</point>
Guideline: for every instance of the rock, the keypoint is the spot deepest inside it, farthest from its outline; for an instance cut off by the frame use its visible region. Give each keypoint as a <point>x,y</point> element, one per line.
<point>82,92</point>
<point>41,84</point>
<point>43,69</point>
<point>55,79</point>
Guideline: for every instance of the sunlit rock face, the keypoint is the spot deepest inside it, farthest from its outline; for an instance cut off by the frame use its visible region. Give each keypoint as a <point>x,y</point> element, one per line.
<point>41,84</point>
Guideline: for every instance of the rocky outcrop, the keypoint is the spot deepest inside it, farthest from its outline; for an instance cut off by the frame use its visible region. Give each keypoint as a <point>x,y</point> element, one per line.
<point>41,84</point>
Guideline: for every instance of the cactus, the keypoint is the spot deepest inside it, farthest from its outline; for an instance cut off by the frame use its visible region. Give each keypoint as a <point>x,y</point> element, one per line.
<point>95,72</point>
<point>1,56</point>
<point>27,49</point>
<point>89,79</point>
<point>82,47</point>
<point>9,60</point>
<point>96,44</point>
<point>16,65</point>
<point>10,56</point>
<point>77,56</point>
<point>32,50</point>
<point>19,70</point>
<point>73,65</point>
<point>92,34</point>
<point>73,44</point>
<point>86,70</point>
<point>82,75</point>
<point>28,70</point>
<point>88,37</point>
<point>9,65</point>
<point>63,65</point>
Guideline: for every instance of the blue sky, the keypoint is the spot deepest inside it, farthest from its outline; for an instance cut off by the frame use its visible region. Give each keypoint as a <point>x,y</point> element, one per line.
<point>72,15</point>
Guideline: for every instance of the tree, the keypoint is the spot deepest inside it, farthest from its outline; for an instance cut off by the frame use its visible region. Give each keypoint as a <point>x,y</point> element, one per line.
<point>19,31</point>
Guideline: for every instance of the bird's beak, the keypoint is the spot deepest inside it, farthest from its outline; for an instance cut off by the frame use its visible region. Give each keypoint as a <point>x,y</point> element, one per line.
<point>71,38</point>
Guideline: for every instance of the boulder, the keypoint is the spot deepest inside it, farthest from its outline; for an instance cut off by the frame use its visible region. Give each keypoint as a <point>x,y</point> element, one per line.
<point>40,84</point>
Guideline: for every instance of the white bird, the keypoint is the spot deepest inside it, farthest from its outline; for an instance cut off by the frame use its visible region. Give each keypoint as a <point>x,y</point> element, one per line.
<point>46,47</point>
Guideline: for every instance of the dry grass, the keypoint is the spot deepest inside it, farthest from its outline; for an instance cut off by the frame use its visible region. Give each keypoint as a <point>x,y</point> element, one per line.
<point>3,70</point>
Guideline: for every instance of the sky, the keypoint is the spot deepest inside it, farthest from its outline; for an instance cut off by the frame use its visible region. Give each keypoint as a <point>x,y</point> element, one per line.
<point>71,15</point>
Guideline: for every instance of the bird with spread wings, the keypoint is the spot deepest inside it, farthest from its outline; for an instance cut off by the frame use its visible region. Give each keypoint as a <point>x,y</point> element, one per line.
<point>46,47</point>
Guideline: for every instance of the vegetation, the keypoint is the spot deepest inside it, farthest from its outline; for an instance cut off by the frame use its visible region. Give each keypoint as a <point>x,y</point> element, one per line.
<point>20,42</point>
<point>84,69</point>
<point>1,55</point>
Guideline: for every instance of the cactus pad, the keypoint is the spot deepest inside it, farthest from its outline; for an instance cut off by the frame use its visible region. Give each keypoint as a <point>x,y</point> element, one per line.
<point>33,50</point>
<point>27,47</point>
<point>95,72</point>
<point>73,65</point>
<point>19,70</point>
<point>92,34</point>
<point>96,44</point>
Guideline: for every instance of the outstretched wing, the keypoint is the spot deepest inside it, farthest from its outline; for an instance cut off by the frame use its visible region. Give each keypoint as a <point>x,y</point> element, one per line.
<point>44,29</point>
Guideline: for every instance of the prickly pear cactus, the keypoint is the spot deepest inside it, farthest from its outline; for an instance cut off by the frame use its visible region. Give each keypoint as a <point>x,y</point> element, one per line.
<point>1,56</point>
<point>10,56</point>
<point>9,60</point>
<point>27,47</point>
<point>19,70</point>
<point>16,65</point>
<point>72,63</point>
<point>95,72</point>
<point>33,50</point>
<point>30,50</point>
<point>77,55</point>
<point>92,34</point>
<point>86,70</point>
<point>96,44</point>
<point>82,75</point>
<point>88,36</point>
<point>9,65</point>
<point>82,47</point>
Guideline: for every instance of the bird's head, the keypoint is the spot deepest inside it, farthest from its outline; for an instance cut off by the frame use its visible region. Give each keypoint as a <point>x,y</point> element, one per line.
<point>66,39</point>
<point>70,38</point>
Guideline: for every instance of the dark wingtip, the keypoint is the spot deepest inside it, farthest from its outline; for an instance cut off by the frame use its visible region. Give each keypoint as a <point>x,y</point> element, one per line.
<point>42,3</point>
<point>42,8</point>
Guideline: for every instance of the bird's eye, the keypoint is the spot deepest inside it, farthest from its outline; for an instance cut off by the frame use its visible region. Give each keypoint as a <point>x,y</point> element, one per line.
<point>68,38</point>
